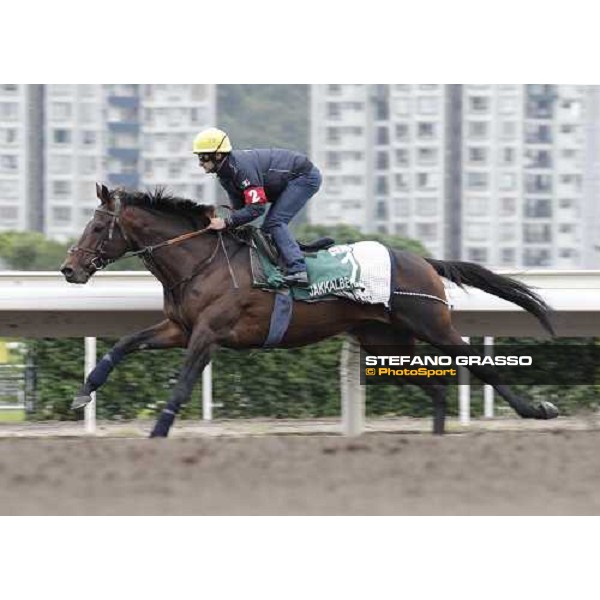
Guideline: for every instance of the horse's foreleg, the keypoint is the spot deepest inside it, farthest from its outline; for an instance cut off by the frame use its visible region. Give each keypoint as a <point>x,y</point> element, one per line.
<point>166,334</point>
<point>197,357</point>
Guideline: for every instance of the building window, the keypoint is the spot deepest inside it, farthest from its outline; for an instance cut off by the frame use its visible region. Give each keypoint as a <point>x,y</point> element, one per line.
<point>477,206</point>
<point>9,189</point>
<point>566,228</point>
<point>477,232</point>
<point>538,134</point>
<point>477,181</point>
<point>538,208</point>
<point>381,186</point>
<point>60,165</point>
<point>383,136</point>
<point>571,180</point>
<point>567,128</point>
<point>507,232</point>
<point>479,104</point>
<point>427,232</point>
<point>536,257</point>
<point>402,157</point>
<point>8,136</point>
<point>61,89</point>
<point>477,255</point>
<point>426,207</point>
<point>61,215</point>
<point>539,108</point>
<point>508,130</point>
<point>61,111</point>
<point>477,129</point>
<point>333,160</point>
<point>567,203</point>
<point>402,107</point>
<point>508,207</point>
<point>427,181</point>
<point>568,253</point>
<point>508,156</point>
<point>61,189</point>
<point>334,110</point>
<point>88,112</point>
<point>536,184</point>
<point>426,130</point>
<point>382,161</point>
<point>477,154</point>
<point>537,233</point>
<point>9,111</point>
<point>401,207</point>
<point>507,105</point>
<point>427,156</point>
<point>333,135</point>
<point>9,214</point>
<point>508,181</point>
<point>61,136</point>
<point>402,132</point>
<point>9,88</point>
<point>508,257</point>
<point>401,181</point>
<point>538,159</point>
<point>87,165</point>
<point>334,89</point>
<point>427,105</point>
<point>9,162</point>
<point>381,212</point>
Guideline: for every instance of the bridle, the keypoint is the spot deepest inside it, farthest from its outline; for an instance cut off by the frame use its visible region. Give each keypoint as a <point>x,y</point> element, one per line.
<point>99,261</point>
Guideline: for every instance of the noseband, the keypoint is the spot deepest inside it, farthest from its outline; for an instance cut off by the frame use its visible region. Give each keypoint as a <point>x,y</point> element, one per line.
<point>99,261</point>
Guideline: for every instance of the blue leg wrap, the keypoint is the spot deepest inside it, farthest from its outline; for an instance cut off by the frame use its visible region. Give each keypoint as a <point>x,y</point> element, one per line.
<point>102,370</point>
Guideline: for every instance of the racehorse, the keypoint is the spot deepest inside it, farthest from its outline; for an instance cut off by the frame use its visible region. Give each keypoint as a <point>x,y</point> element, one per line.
<point>209,300</point>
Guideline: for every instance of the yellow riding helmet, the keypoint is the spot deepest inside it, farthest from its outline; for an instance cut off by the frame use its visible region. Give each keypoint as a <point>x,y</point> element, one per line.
<point>211,140</point>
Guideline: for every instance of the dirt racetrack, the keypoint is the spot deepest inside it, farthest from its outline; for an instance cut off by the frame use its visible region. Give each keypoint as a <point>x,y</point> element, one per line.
<point>251,468</point>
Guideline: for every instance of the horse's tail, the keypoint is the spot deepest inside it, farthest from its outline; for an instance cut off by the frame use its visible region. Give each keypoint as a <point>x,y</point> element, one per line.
<point>465,273</point>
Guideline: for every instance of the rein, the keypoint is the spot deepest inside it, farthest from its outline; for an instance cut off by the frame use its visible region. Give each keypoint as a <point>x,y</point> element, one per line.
<point>100,262</point>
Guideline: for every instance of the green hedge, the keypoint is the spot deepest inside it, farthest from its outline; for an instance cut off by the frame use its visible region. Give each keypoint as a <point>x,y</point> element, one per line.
<point>299,383</point>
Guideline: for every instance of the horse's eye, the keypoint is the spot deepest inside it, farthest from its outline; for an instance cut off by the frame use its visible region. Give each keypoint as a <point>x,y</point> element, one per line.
<point>98,228</point>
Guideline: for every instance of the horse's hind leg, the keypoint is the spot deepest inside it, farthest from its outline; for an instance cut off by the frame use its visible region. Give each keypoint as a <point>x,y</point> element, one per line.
<point>166,334</point>
<point>430,322</point>
<point>378,338</point>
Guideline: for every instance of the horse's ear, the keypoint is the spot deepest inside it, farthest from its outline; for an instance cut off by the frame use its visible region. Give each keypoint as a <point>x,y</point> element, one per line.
<point>102,193</point>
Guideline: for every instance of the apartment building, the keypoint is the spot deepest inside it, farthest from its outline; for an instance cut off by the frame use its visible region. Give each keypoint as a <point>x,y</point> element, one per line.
<point>21,157</point>
<point>56,141</point>
<point>503,175</point>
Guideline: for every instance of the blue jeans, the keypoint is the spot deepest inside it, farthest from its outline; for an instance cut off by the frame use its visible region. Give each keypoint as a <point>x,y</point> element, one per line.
<point>284,209</point>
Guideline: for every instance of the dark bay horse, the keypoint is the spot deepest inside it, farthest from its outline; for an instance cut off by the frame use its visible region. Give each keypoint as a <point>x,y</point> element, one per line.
<point>209,300</point>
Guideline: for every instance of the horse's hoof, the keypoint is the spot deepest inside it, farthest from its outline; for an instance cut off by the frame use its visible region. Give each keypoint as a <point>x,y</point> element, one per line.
<point>549,411</point>
<point>80,402</point>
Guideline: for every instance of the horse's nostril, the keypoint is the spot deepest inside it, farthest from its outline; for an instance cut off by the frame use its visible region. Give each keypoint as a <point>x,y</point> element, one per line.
<point>67,271</point>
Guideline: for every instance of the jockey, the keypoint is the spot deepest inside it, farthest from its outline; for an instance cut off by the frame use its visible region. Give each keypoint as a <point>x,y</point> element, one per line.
<point>252,178</point>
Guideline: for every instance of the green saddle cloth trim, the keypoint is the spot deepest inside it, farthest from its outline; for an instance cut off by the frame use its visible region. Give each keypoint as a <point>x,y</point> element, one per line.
<point>327,273</point>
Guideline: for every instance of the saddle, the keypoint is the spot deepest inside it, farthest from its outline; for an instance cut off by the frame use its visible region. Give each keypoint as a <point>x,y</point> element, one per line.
<point>263,243</point>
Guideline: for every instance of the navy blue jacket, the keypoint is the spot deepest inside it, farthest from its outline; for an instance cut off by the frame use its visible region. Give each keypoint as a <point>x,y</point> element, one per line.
<point>267,172</point>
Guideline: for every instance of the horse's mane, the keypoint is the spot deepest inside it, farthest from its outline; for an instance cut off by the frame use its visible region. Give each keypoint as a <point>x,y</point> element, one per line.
<point>161,200</point>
